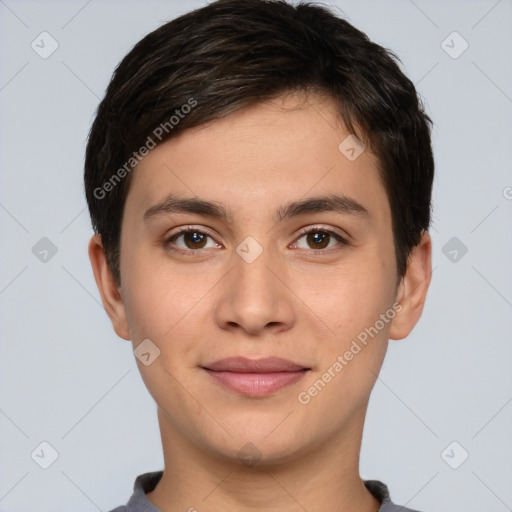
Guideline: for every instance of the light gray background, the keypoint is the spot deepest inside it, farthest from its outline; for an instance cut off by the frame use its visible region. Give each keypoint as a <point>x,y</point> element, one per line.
<point>66,379</point>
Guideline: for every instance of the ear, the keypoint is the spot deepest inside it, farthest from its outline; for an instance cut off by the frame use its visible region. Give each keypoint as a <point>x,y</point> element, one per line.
<point>412,290</point>
<point>109,290</point>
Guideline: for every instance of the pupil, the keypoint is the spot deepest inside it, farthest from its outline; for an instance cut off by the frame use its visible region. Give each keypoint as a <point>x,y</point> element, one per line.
<point>197,240</point>
<point>318,240</point>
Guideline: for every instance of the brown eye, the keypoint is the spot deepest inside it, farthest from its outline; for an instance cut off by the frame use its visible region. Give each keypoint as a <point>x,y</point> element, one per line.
<point>194,239</point>
<point>318,239</point>
<point>190,240</point>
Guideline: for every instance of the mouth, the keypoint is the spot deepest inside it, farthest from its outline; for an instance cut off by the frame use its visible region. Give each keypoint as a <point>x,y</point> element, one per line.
<point>255,378</point>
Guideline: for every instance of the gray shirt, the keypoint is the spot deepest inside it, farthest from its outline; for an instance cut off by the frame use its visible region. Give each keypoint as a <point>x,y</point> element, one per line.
<point>147,482</point>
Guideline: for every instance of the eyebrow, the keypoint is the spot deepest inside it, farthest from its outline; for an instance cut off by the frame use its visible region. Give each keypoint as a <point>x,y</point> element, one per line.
<point>330,203</point>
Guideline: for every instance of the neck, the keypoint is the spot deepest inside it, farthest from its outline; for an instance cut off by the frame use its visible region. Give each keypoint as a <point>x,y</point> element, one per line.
<point>324,477</point>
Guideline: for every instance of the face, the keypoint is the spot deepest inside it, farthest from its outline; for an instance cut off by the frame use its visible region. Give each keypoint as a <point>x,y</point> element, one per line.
<point>255,237</point>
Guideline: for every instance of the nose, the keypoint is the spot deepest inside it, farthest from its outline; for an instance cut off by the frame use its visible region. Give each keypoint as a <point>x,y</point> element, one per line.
<point>255,298</point>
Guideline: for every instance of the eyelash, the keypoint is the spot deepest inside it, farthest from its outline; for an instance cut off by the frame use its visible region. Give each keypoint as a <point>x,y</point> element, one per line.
<point>313,229</point>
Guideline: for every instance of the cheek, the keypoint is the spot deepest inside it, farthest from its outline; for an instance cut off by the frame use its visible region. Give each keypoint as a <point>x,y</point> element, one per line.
<point>155,299</point>
<point>349,357</point>
<point>166,305</point>
<point>348,299</point>
<point>159,309</point>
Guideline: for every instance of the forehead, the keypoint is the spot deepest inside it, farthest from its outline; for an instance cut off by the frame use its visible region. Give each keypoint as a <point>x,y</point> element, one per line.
<point>259,157</point>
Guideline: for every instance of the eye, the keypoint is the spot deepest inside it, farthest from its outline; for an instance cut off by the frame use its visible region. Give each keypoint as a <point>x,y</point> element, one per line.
<point>319,240</point>
<point>190,239</point>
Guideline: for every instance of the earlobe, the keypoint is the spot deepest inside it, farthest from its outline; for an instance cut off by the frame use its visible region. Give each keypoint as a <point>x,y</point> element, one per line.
<point>413,288</point>
<point>109,290</point>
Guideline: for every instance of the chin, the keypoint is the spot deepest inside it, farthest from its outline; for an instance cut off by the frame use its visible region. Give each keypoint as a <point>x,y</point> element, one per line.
<point>255,448</point>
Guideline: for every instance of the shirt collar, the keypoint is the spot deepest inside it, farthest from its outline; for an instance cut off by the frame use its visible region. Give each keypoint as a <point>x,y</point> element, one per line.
<point>147,482</point>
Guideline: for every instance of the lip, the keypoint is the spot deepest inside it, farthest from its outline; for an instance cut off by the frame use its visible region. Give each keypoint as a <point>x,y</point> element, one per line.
<point>255,377</point>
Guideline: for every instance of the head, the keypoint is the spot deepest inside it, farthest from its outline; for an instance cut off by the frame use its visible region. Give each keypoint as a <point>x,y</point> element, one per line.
<point>297,156</point>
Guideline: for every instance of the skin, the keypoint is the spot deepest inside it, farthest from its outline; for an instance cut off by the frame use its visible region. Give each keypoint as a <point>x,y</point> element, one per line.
<point>293,301</point>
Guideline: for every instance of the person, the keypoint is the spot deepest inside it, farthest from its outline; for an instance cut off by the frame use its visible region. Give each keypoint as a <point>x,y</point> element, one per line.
<point>259,181</point>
